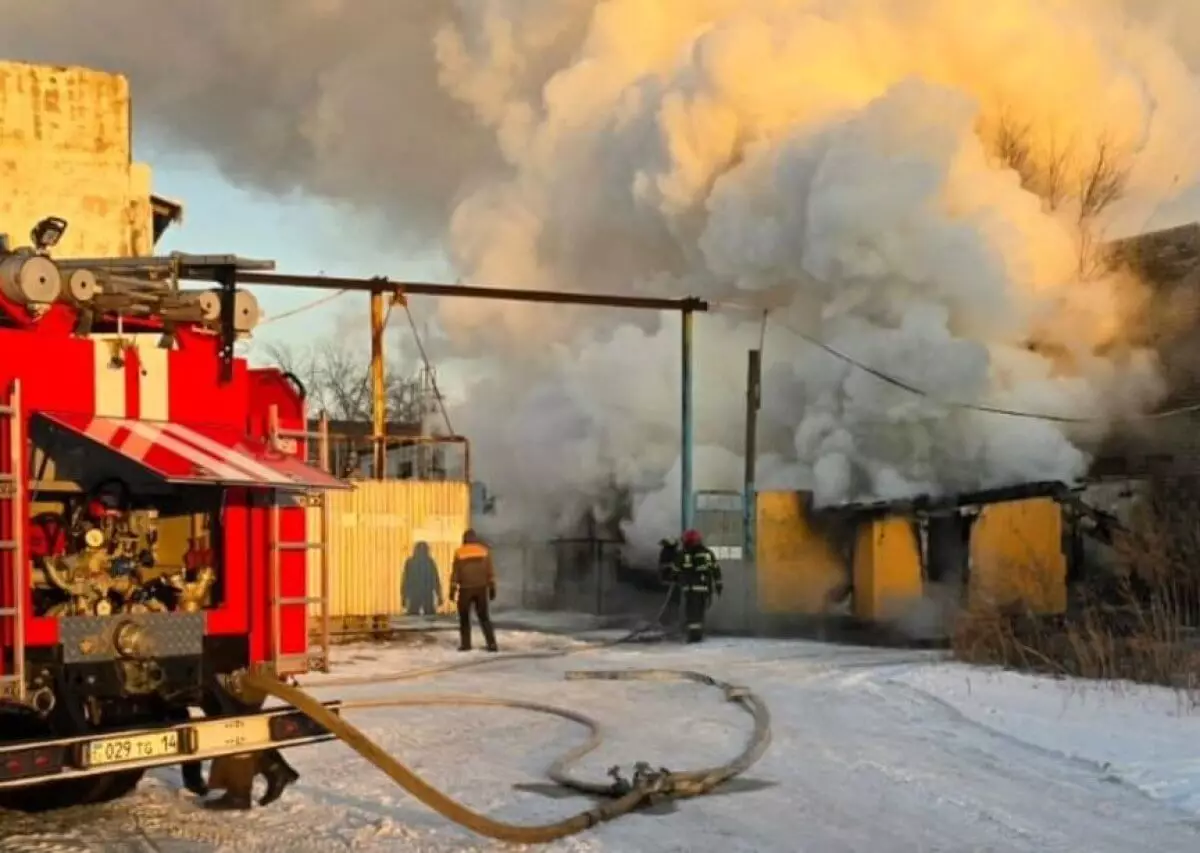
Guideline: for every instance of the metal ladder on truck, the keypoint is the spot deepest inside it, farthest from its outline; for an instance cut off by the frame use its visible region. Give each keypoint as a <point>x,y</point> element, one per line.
<point>319,652</point>
<point>12,546</point>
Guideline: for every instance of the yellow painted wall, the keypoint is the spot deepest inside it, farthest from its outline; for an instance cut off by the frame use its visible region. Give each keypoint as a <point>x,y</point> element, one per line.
<point>1017,556</point>
<point>373,530</point>
<point>65,150</point>
<point>887,569</point>
<point>797,567</point>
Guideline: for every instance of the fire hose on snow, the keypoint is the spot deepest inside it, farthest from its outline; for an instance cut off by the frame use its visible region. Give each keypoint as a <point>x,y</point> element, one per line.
<point>646,786</point>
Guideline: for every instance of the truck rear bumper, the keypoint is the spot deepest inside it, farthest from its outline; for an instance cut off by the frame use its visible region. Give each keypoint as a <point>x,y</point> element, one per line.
<point>34,762</point>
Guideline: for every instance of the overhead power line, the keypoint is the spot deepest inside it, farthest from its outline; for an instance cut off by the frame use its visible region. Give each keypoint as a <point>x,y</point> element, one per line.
<point>975,407</point>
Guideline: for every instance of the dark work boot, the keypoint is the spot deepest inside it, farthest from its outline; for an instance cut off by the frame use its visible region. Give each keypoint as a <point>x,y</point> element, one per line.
<point>278,773</point>
<point>229,802</point>
<point>235,775</point>
<point>193,778</point>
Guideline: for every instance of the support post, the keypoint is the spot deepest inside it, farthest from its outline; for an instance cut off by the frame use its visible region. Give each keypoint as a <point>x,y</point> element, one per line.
<point>749,488</point>
<point>226,277</point>
<point>378,391</point>
<point>685,452</point>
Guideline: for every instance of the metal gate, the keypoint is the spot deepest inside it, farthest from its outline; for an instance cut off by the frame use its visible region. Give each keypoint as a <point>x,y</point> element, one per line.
<point>720,519</point>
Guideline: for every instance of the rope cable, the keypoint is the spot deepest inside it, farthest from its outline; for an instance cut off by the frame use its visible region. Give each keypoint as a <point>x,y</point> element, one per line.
<point>437,393</point>
<point>329,297</point>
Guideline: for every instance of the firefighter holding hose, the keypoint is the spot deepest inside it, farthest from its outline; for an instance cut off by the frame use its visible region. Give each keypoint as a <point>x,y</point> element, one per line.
<point>473,585</point>
<point>697,575</point>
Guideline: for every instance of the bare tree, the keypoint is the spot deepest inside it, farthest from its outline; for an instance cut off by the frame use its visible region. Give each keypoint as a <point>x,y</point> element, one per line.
<point>1102,182</point>
<point>337,377</point>
<point>1043,173</point>
<point>1059,174</point>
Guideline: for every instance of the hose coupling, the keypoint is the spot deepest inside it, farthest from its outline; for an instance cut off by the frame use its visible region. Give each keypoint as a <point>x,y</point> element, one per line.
<point>652,781</point>
<point>620,786</point>
<point>733,693</point>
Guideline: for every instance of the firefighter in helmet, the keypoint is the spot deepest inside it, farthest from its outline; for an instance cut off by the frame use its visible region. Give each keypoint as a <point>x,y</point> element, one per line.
<point>697,574</point>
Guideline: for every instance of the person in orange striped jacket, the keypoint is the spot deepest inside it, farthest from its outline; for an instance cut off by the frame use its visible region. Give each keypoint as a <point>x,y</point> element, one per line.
<point>473,585</point>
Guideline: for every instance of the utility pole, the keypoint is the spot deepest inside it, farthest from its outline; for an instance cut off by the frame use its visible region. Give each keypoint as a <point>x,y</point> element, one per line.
<point>378,390</point>
<point>687,418</point>
<point>749,488</point>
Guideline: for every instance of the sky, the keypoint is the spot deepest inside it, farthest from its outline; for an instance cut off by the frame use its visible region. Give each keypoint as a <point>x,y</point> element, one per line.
<point>302,235</point>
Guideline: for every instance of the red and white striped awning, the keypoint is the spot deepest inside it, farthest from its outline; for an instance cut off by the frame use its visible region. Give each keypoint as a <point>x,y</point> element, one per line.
<point>205,455</point>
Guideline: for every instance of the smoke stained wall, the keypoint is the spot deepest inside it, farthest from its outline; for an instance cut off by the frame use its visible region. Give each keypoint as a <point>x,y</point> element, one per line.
<point>910,182</point>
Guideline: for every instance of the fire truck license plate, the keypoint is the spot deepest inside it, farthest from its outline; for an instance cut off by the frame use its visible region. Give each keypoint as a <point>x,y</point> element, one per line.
<point>118,750</point>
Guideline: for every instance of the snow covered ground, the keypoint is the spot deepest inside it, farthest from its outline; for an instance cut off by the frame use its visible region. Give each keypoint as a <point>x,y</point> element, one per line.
<point>873,750</point>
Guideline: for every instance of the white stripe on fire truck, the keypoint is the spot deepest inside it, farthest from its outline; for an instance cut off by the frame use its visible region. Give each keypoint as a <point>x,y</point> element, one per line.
<point>108,379</point>
<point>153,392</point>
<point>233,457</point>
<point>155,434</point>
<point>153,377</point>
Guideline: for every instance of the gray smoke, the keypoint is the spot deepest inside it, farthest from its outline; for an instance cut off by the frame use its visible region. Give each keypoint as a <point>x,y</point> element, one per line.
<point>836,162</point>
<point>335,98</point>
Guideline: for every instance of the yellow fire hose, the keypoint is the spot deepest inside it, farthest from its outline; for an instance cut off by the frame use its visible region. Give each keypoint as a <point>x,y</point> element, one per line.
<point>647,785</point>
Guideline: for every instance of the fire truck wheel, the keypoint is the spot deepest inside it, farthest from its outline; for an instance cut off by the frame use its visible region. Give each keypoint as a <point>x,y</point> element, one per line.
<point>90,791</point>
<point>114,786</point>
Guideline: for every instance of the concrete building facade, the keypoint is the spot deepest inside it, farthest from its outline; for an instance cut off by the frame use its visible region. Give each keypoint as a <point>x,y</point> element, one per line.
<point>66,150</point>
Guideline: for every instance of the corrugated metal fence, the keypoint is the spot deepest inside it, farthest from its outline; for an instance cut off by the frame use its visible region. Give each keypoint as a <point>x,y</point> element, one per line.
<point>390,547</point>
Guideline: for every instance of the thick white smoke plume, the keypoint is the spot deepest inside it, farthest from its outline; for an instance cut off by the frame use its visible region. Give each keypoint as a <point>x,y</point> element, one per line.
<point>905,181</point>
<point>917,183</point>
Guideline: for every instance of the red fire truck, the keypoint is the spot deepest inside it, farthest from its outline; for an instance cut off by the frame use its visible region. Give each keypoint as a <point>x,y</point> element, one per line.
<point>159,525</point>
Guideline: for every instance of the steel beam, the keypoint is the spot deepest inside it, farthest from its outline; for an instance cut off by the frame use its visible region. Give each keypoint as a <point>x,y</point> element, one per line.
<point>687,307</point>
<point>468,291</point>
